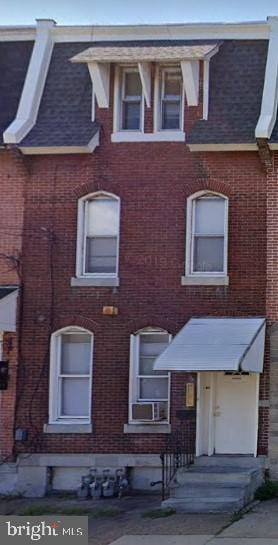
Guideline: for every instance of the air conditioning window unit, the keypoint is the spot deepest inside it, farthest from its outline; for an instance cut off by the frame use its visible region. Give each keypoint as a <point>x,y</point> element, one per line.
<point>149,412</point>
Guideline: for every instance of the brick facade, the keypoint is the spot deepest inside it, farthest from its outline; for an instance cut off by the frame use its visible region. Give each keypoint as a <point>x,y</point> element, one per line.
<point>153,182</point>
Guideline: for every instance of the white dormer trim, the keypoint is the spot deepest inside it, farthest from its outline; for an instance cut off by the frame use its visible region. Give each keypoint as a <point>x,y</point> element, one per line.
<point>144,69</point>
<point>100,76</point>
<point>190,73</point>
<point>29,104</point>
<point>269,105</point>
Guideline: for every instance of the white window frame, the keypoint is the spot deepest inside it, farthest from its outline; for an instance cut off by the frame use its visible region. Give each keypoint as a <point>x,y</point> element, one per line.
<point>190,221</point>
<point>158,89</point>
<point>119,87</point>
<point>81,236</point>
<point>55,375</point>
<point>134,376</point>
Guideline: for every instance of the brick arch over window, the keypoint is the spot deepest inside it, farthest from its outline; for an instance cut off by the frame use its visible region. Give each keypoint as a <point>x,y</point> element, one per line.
<point>212,186</point>
<point>63,321</point>
<point>94,186</point>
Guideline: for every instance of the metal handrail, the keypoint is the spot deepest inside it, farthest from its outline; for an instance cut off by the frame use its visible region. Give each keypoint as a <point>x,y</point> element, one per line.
<point>178,453</point>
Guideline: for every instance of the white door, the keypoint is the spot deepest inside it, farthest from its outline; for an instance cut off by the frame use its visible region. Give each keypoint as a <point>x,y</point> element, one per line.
<point>235,413</point>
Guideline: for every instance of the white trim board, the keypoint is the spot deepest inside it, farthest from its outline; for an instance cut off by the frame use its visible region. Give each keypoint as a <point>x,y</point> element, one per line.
<point>33,88</point>
<point>61,150</point>
<point>257,30</point>
<point>223,147</point>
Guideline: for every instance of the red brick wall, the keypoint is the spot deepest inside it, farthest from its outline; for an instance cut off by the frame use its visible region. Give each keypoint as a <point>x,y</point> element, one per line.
<point>12,183</point>
<point>153,181</point>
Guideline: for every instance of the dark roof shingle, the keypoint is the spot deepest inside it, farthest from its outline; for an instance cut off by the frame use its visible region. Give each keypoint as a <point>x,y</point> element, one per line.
<point>14,60</point>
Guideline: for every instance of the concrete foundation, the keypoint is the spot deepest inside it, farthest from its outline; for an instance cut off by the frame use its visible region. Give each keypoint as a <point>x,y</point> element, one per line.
<point>34,475</point>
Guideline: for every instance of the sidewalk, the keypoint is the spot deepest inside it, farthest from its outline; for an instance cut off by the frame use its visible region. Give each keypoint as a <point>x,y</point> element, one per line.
<point>258,527</point>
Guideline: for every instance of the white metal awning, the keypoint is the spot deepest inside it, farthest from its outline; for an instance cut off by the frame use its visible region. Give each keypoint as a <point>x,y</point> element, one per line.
<point>8,309</point>
<point>216,344</point>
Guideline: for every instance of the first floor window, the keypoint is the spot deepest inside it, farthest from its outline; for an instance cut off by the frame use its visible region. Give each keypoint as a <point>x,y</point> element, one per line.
<point>71,376</point>
<point>149,389</point>
<point>207,234</point>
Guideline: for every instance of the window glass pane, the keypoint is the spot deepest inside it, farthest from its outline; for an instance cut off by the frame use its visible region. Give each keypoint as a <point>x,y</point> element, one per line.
<point>151,345</point>
<point>131,115</point>
<point>209,216</point>
<point>170,115</point>
<point>75,354</point>
<point>101,255</point>
<point>102,217</point>
<point>75,397</point>
<point>146,364</point>
<point>209,254</point>
<point>133,87</point>
<point>172,84</point>
<point>153,388</point>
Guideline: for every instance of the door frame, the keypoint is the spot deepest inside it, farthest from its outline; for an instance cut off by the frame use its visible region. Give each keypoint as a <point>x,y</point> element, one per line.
<point>211,418</point>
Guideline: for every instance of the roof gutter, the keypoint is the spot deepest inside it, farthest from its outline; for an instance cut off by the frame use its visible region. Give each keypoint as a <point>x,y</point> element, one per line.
<point>28,108</point>
<point>268,113</point>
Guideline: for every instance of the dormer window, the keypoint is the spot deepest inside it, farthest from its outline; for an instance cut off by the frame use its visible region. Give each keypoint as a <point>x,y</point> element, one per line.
<point>132,101</point>
<point>171,106</point>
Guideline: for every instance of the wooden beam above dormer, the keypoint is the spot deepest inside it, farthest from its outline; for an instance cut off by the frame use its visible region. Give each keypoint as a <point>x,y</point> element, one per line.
<point>145,75</point>
<point>190,73</point>
<point>100,76</point>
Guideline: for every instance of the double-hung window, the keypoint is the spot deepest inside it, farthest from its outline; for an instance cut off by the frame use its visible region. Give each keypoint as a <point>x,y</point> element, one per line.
<point>149,389</point>
<point>171,108</point>
<point>207,235</point>
<point>98,236</point>
<point>71,376</point>
<point>131,101</point>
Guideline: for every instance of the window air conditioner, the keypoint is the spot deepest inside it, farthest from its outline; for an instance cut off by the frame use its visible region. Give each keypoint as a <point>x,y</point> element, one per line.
<point>149,412</point>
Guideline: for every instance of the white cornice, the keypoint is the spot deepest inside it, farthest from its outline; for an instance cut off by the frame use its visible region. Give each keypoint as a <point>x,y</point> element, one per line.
<point>256,30</point>
<point>192,31</point>
<point>17,34</point>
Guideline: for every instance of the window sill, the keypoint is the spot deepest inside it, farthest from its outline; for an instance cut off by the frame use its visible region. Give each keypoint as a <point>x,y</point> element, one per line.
<point>160,136</point>
<point>204,280</point>
<point>147,428</point>
<point>67,428</point>
<point>98,281</point>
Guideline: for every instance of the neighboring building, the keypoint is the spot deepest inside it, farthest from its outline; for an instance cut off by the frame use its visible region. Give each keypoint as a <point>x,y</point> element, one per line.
<point>14,59</point>
<point>145,214</point>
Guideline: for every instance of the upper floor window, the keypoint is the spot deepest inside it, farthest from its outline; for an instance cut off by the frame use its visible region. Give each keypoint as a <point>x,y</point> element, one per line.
<point>131,101</point>
<point>171,107</point>
<point>207,234</point>
<point>71,376</point>
<point>98,235</point>
<point>149,389</point>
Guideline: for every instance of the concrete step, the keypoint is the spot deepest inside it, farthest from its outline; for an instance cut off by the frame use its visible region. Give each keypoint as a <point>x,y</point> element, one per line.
<point>211,505</point>
<point>206,492</point>
<point>217,476</point>
<point>230,461</point>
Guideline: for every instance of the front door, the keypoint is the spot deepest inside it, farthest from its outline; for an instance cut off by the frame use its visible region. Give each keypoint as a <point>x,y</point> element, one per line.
<point>235,413</point>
